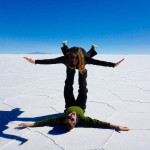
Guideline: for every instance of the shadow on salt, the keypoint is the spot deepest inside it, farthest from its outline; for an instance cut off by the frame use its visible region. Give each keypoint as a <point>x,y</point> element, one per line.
<point>13,115</point>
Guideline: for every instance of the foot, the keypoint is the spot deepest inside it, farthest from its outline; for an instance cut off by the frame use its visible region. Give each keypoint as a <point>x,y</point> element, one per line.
<point>64,43</point>
<point>94,47</point>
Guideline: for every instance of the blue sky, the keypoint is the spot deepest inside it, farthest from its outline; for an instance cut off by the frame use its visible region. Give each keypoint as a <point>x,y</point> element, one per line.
<point>116,26</point>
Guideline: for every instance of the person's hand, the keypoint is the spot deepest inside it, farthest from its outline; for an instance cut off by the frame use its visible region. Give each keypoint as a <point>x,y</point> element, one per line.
<point>27,124</point>
<point>119,62</point>
<point>121,128</point>
<point>29,60</point>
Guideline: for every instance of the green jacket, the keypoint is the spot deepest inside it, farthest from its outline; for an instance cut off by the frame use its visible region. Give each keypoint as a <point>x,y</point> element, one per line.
<point>82,120</point>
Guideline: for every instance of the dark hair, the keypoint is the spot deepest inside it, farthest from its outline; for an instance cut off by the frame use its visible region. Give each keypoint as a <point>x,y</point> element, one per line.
<point>68,126</point>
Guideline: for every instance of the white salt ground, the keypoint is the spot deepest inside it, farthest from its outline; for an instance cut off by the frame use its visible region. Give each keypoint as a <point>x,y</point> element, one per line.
<point>33,92</point>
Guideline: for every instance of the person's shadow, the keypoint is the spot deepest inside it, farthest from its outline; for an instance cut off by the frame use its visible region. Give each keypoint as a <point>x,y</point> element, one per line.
<point>9,116</point>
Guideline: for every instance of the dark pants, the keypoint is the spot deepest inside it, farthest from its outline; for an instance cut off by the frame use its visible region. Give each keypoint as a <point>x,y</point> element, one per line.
<point>68,89</point>
<point>82,92</point>
<point>91,53</point>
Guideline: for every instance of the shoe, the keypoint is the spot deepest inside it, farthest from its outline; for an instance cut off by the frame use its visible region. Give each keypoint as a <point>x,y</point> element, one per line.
<point>64,43</point>
<point>94,46</point>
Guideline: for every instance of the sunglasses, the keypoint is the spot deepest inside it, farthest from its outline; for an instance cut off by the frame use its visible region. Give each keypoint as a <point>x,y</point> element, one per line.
<point>72,57</point>
<point>72,119</point>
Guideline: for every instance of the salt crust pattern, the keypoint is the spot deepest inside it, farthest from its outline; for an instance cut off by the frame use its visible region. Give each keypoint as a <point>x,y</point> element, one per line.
<point>33,92</point>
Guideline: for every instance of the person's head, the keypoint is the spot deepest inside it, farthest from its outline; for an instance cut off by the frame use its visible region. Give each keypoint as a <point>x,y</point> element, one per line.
<point>70,121</point>
<point>76,58</point>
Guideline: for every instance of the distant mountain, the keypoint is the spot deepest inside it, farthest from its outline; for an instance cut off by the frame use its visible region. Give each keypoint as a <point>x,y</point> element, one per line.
<point>37,52</point>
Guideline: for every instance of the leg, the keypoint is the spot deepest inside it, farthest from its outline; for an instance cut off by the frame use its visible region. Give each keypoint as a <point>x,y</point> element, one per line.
<point>68,89</point>
<point>82,96</point>
<point>65,48</point>
<point>91,53</point>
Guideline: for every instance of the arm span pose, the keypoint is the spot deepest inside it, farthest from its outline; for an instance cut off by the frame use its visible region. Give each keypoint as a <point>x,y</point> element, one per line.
<point>73,121</point>
<point>75,57</point>
<point>74,112</point>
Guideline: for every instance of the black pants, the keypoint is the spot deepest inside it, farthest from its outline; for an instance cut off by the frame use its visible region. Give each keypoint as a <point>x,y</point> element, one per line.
<point>82,92</point>
<point>68,88</point>
<point>91,53</point>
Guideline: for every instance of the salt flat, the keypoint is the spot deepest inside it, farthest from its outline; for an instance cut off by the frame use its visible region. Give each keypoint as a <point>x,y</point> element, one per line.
<point>119,95</point>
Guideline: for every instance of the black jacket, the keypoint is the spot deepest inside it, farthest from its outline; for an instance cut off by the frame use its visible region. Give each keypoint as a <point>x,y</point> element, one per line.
<point>65,60</point>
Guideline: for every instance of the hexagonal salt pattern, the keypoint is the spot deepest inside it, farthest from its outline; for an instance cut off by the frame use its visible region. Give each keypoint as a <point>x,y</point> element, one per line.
<point>30,93</point>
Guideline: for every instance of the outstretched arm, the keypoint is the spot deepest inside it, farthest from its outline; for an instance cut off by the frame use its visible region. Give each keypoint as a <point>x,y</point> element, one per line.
<point>29,60</point>
<point>57,60</point>
<point>87,121</point>
<point>102,63</point>
<point>47,122</point>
